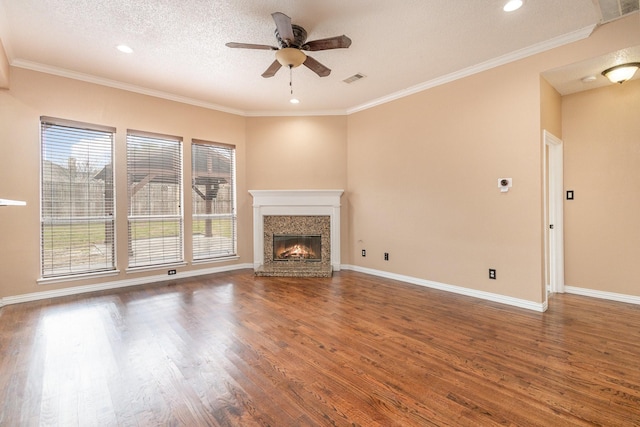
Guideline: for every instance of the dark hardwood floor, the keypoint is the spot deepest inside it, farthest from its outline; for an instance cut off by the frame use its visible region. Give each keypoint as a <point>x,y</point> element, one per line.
<point>237,350</point>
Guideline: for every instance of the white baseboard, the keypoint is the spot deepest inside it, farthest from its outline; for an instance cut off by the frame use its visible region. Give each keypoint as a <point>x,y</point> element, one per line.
<point>630,299</point>
<point>529,305</point>
<point>34,296</point>
<point>516,302</point>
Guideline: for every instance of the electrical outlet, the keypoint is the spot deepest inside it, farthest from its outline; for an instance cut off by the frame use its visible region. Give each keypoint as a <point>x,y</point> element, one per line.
<point>386,256</point>
<point>492,274</point>
<point>364,252</point>
<point>171,272</point>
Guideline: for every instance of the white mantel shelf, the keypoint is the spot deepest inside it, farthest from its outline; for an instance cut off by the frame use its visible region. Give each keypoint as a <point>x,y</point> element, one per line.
<point>7,202</point>
<point>295,202</point>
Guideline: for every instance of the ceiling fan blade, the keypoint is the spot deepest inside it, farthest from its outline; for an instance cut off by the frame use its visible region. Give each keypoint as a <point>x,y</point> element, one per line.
<point>250,46</point>
<point>337,42</point>
<point>316,67</point>
<point>283,24</point>
<point>272,70</point>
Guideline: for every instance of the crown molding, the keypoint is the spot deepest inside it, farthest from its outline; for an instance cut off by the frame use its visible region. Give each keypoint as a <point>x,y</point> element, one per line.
<point>574,36</point>
<point>62,72</point>
<point>296,113</point>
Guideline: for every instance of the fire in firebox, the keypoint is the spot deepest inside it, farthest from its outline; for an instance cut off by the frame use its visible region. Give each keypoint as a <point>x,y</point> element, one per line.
<point>296,248</point>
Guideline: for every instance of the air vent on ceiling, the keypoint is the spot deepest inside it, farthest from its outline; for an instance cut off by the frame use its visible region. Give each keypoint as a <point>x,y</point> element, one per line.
<point>354,78</point>
<point>614,9</point>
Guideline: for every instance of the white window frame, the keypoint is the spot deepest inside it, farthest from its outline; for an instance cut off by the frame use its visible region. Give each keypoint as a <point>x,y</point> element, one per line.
<point>84,256</point>
<point>213,244</point>
<point>163,249</point>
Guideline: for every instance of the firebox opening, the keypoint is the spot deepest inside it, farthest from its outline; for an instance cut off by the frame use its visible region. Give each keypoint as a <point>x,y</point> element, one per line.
<point>287,247</point>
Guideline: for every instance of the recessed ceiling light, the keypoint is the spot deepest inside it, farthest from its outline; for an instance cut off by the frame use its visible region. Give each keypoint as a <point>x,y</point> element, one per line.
<point>512,5</point>
<point>294,101</point>
<point>124,48</point>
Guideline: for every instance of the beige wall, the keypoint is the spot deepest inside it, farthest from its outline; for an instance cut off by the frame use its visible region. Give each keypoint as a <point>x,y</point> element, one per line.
<point>34,94</point>
<point>423,183</point>
<point>297,152</point>
<point>601,133</point>
<point>550,109</point>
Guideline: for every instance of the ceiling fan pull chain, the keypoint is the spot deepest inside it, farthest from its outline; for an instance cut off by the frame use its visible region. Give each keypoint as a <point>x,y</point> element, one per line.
<point>291,78</point>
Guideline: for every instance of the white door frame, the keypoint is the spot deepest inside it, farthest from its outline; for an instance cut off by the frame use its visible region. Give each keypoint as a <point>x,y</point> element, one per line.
<point>554,215</point>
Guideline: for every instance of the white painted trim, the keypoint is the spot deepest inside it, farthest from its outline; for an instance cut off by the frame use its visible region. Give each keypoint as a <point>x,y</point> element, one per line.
<point>299,113</point>
<point>629,299</point>
<point>7,202</point>
<point>502,299</point>
<point>556,211</point>
<point>76,290</point>
<point>75,277</point>
<point>580,34</point>
<point>62,72</point>
<point>296,202</point>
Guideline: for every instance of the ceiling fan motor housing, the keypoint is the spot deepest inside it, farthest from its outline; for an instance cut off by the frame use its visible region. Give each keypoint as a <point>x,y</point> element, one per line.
<point>299,37</point>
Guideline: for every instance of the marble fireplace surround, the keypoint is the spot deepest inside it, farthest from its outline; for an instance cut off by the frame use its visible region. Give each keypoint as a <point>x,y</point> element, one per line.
<point>295,203</point>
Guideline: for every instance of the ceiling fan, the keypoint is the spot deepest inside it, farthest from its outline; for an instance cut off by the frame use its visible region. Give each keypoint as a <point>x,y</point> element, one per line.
<point>292,40</point>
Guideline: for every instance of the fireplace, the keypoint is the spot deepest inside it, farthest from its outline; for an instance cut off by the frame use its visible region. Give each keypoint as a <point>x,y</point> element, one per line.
<point>297,247</point>
<point>296,233</point>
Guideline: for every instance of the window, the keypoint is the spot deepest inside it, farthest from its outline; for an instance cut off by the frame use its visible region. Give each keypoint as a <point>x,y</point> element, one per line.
<point>154,176</point>
<point>76,200</point>
<point>214,198</point>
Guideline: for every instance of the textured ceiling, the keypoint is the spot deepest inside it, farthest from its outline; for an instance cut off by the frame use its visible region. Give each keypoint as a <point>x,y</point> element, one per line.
<point>180,50</point>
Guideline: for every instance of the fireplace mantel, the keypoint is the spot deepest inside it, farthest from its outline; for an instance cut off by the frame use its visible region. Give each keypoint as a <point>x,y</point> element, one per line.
<point>295,202</point>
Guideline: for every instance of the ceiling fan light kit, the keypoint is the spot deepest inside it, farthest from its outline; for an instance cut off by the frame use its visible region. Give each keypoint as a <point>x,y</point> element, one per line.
<point>290,57</point>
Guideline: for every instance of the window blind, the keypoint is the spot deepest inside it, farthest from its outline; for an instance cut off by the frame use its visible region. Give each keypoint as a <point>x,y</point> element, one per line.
<point>76,199</point>
<point>154,173</point>
<point>214,200</point>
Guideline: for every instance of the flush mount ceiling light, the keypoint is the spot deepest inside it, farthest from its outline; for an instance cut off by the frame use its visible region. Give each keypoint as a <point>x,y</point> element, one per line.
<point>621,73</point>
<point>512,5</point>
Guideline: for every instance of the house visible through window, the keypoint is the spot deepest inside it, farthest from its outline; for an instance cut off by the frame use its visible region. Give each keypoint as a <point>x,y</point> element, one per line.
<point>76,201</point>
<point>154,173</point>
<point>213,194</point>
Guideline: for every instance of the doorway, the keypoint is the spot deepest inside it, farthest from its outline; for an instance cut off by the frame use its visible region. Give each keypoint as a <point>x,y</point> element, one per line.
<point>554,224</point>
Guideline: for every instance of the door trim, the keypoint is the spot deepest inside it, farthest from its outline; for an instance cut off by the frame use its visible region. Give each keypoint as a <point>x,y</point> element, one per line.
<point>554,214</point>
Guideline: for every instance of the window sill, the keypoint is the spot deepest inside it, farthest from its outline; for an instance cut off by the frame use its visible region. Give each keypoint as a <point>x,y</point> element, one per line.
<point>155,267</point>
<point>215,260</point>
<point>75,277</point>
